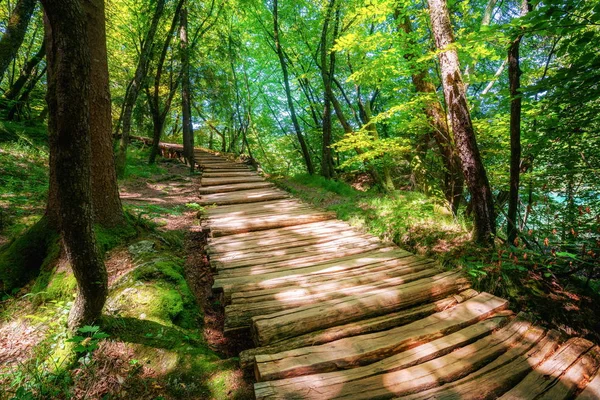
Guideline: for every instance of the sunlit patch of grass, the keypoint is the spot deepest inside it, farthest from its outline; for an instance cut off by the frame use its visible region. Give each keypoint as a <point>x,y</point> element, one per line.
<point>410,219</point>
<point>137,163</point>
<point>23,177</point>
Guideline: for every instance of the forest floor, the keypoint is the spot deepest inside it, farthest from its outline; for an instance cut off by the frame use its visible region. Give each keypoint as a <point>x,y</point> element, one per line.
<point>161,336</point>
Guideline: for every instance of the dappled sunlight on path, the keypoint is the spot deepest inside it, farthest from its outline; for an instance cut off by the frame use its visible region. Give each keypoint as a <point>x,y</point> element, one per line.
<point>339,314</point>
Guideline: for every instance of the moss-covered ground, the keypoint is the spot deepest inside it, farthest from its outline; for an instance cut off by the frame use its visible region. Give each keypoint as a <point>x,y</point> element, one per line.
<point>150,343</point>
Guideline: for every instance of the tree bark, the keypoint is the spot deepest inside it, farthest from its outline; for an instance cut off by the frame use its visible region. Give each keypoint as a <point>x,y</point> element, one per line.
<point>288,93</point>
<point>108,210</point>
<point>186,107</point>
<point>464,135</point>
<point>159,114</point>
<point>15,33</point>
<point>514,78</point>
<point>135,87</point>
<point>453,183</point>
<point>17,106</point>
<point>327,69</point>
<point>69,81</point>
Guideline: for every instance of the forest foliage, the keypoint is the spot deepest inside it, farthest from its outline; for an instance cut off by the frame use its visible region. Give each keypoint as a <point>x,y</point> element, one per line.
<point>351,71</point>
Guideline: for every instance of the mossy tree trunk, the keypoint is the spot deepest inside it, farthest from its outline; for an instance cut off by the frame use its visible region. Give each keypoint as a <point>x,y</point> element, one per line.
<point>69,83</point>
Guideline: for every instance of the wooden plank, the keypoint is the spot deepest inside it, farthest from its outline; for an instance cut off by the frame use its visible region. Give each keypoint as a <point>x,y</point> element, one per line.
<point>501,374</point>
<point>296,247</point>
<point>228,174</point>
<point>226,181</point>
<point>223,253</point>
<point>321,284</point>
<point>365,349</point>
<point>243,196</point>
<point>576,377</point>
<point>277,233</point>
<point>277,326</point>
<point>255,211</point>
<point>330,384</point>
<point>274,236</point>
<point>592,390</point>
<point>332,270</point>
<point>272,206</point>
<point>239,316</point>
<point>293,261</point>
<point>264,223</point>
<point>234,187</point>
<point>376,324</point>
<point>546,375</point>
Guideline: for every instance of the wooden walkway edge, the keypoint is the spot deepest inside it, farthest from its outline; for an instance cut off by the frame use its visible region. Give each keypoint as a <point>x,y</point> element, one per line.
<point>337,314</point>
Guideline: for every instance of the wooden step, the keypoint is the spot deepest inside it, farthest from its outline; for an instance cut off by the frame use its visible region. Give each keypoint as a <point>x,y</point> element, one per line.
<point>366,349</point>
<point>269,222</point>
<point>541,381</point>
<point>320,285</point>
<point>284,244</point>
<point>329,270</point>
<point>331,384</point>
<point>592,390</point>
<point>243,196</point>
<point>500,375</point>
<point>270,328</point>
<point>376,324</point>
<point>239,315</point>
<point>228,174</point>
<point>234,187</point>
<point>295,251</point>
<point>292,261</point>
<point>276,233</point>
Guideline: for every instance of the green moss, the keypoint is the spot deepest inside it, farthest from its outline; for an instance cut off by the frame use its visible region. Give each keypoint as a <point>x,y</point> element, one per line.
<point>62,286</point>
<point>109,238</point>
<point>170,270</point>
<point>23,258</point>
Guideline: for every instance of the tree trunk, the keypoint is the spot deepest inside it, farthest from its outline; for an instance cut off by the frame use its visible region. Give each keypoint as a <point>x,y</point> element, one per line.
<point>288,93</point>
<point>464,135</point>
<point>186,108</point>
<point>17,105</point>
<point>514,78</point>
<point>135,87</point>
<point>108,210</point>
<point>453,183</point>
<point>15,33</point>
<point>15,89</point>
<point>327,69</point>
<point>159,115</point>
<point>69,81</point>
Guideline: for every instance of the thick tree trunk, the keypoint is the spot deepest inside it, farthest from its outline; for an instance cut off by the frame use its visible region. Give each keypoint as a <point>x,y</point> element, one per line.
<point>15,33</point>
<point>453,183</point>
<point>135,87</point>
<point>464,135</point>
<point>69,82</point>
<point>186,108</point>
<point>108,210</point>
<point>26,72</point>
<point>288,93</point>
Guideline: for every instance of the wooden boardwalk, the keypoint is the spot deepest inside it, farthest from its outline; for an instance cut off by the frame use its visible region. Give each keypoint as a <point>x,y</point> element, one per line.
<point>338,314</point>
